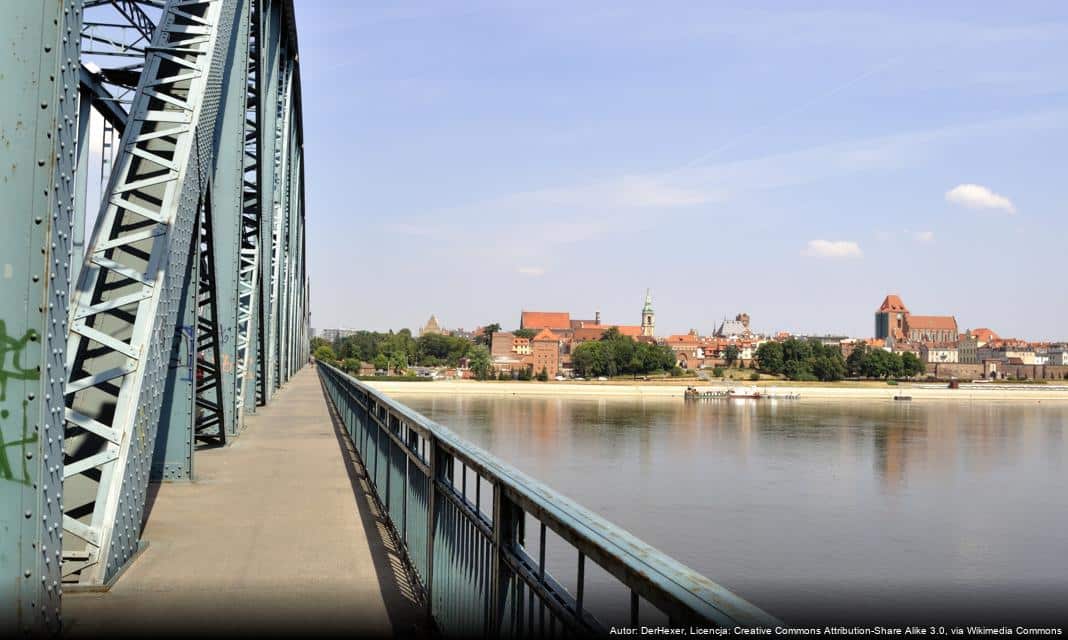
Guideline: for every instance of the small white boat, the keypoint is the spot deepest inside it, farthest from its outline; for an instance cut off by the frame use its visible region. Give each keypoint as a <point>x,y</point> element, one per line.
<point>743,392</point>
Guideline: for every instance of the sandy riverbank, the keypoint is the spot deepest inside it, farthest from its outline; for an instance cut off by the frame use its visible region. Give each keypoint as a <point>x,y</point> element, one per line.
<point>861,391</point>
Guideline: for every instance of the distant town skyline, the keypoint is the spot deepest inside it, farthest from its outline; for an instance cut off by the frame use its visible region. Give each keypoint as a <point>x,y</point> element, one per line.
<point>794,164</point>
<point>705,328</point>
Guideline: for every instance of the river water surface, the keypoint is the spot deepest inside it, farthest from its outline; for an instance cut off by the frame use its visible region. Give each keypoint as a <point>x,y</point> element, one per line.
<point>818,512</point>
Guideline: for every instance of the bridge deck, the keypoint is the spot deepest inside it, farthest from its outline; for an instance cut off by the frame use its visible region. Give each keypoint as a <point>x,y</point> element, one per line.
<point>276,533</point>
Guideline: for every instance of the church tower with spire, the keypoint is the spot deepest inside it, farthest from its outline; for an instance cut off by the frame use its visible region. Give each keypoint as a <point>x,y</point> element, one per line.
<point>648,316</point>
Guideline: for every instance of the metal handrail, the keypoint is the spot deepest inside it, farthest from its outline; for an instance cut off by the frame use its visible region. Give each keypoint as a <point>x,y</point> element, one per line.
<point>472,567</point>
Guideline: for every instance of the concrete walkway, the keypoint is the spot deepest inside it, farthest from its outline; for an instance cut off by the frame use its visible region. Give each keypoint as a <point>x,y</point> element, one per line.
<point>275,535</point>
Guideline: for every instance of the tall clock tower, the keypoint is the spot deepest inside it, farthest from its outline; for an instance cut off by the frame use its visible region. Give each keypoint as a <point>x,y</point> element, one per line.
<point>648,316</point>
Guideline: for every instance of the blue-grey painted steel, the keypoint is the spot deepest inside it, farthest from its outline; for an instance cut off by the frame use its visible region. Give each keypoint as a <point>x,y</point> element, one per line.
<point>249,301</point>
<point>170,292</point>
<point>172,456</point>
<point>272,63</point>
<point>227,213</point>
<point>97,96</point>
<point>38,135</point>
<point>81,467</point>
<point>469,551</point>
<point>125,307</point>
<point>81,183</point>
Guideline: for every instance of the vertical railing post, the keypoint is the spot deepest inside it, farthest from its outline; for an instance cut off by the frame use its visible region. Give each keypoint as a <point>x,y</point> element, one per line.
<point>431,520</point>
<point>506,515</point>
<point>404,486</point>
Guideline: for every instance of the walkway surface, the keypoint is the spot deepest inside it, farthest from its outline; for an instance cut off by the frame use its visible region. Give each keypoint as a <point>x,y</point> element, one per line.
<point>276,534</point>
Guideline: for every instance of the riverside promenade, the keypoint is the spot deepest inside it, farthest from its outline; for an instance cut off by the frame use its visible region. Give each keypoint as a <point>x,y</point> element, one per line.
<point>276,534</point>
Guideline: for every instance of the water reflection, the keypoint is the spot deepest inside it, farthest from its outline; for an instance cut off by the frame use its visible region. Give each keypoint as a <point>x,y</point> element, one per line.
<point>802,506</point>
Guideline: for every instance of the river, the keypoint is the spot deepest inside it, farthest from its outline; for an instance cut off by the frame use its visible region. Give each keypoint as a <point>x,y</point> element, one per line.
<point>818,512</point>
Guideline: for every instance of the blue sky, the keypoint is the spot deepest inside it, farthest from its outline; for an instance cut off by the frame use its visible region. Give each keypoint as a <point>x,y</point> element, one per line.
<point>795,161</point>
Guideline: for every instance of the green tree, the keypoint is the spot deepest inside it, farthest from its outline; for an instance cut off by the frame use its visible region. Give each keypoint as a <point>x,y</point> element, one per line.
<point>879,363</point>
<point>543,375</point>
<point>730,355</point>
<point>525,333</point>
<point>480,363</point>
<point>325,353</point>
<point>615,353</point>
<point>855,363</point>
<point>381,362</point>
<point>486,339</point>
<point>610,334</point>
<point>588,358</point>
<point>433,348</point>
<point>636,364</point>
<point>769,357</point>
<point>794,349</point>
<point>828,367</point>
<point>911,365</point>
<point>798,370</point>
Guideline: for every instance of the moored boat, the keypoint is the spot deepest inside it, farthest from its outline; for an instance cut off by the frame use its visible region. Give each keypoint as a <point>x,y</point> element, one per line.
<point>743,393</point>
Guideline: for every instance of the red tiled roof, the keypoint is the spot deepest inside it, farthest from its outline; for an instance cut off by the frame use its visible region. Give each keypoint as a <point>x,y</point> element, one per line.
<point>682,338</point>
<point>545,320</point>
<point>595,331</point>
<point>985,335</point>
<point>933,323</point>
<point>587,333</point>
<point>893,303</point>
<point>546,336</point>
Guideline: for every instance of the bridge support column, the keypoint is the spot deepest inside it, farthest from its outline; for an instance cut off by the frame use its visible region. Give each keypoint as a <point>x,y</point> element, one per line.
<point>39,133</point>
<point>172,457</point>
<point>227,211</point>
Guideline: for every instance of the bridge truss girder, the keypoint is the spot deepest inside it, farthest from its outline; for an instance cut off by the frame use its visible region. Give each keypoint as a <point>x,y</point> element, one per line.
<point>165,312</point>
<point>198,241</point>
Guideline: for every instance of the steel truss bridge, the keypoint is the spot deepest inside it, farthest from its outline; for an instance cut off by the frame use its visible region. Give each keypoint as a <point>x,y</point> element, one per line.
<point>185,309</point>
<point>173,130</point>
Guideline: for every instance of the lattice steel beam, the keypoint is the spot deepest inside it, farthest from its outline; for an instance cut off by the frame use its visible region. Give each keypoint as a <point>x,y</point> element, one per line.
<point>248,299</point>
<point>227,216</point>
<point>210,408</point>
<point>126,301</point>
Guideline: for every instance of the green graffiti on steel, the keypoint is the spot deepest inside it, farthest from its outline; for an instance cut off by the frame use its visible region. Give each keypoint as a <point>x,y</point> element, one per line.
<point>6,470</point>
<point>12,369</point>
<point>14,348</point>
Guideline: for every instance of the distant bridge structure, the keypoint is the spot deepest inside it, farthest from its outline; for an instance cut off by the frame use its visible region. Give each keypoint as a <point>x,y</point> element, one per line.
<point>172,129</point>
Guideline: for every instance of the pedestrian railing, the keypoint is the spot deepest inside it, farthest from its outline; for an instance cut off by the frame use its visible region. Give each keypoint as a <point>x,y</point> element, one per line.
<point>469,551</point>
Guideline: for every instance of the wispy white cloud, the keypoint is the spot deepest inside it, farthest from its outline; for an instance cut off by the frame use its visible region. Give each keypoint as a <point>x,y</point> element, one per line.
<point>552,217</point>
<point>532,271</point>
<point>975,196</point>
<point>924,236</point>
<point>832,249</point>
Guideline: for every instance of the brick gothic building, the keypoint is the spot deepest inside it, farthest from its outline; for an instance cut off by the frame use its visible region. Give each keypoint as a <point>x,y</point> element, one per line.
<point>894,321</point>
<point>546,352</point>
